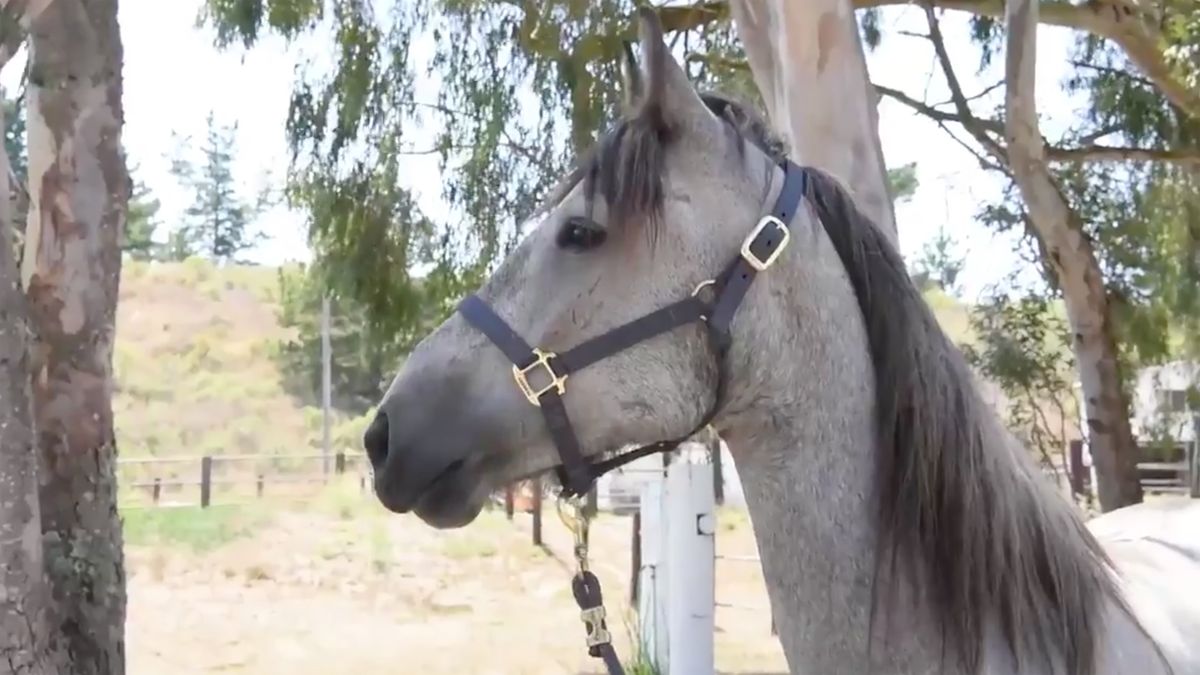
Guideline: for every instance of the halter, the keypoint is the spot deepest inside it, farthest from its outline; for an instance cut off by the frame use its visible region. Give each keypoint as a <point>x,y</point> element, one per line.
<point>759,251</point>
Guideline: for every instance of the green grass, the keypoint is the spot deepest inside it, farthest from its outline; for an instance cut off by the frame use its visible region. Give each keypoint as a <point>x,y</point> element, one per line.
<point>192,527</point>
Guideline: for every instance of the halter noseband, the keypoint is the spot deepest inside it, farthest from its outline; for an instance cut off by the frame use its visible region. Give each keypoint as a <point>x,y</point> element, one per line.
<point>759,251</point>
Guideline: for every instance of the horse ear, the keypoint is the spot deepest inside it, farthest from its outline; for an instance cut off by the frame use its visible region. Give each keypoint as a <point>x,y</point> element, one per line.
<point>632,75</point>
<point>667,95</point>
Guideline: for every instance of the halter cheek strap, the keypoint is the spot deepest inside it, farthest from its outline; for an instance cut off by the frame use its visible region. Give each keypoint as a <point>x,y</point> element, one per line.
<point>542,375</point>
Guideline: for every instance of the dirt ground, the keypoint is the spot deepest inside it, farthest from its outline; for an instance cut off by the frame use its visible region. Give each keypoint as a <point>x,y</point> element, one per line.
<point>356,590</point>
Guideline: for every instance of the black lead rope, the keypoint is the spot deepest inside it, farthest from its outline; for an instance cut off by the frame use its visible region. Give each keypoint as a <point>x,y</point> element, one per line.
<point>576,474</point>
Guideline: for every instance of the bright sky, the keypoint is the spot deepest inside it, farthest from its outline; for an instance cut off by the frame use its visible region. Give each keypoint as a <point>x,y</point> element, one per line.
<point>174,77</point>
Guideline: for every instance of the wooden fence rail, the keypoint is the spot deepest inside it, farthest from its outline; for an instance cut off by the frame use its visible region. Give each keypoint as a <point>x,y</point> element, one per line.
<point>264,469</point>
<point>1181,477</point>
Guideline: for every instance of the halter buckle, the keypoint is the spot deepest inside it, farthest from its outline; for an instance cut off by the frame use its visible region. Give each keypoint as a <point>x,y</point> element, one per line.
<point>521,375</point>
<point>593,622</point>
<point>750,257</point>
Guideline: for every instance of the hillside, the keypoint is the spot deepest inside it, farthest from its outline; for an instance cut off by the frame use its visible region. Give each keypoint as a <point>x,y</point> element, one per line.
<point>195,373</point>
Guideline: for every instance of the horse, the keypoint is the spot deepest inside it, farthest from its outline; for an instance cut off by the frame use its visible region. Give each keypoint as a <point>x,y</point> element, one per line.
<point>902,528</point>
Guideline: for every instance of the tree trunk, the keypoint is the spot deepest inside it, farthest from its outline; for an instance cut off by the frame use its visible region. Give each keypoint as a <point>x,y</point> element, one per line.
<point>808,63</point>
<point>79,189</point>
<point>25,638</point>
<point>1073,260</point>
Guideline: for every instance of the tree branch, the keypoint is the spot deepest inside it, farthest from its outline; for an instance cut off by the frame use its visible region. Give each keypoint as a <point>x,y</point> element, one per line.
<point>15,18</point>
<point>690,17</point>
<point>941,117</point>
<point>1106,153</point>
<point>718,61</point>
<point>1137,33</point>
<point>932,112</point>
<point>969,122</point>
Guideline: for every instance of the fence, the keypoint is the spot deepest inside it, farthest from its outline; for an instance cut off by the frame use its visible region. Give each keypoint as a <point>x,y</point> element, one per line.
<point>1181,476</point>
<point>195,480</point>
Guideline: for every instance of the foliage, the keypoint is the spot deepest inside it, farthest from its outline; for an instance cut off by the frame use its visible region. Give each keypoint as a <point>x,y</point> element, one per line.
<point>362,357</point>
<point>939,264</point>
<point>510,94</point>
<point>193,527</point>
<point>1181,26</point>
<point>141,223</point>
<point>217,224</point>
<point>14,134</point>
<point>902,182</point>
<point>1022,345</point>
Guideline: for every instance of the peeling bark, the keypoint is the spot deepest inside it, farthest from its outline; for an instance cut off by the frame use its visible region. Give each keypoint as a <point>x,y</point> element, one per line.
<point>79,189</point>
<point>809,65</point>
<point>1073,260</point>
<point>15,17</point>
<point>25,638</point>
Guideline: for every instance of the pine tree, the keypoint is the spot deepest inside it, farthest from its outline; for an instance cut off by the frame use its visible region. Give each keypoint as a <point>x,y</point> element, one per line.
<point>217,224</point>
<point>140,224</point>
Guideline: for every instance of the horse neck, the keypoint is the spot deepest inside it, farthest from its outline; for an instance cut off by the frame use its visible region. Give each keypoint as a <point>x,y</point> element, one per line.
<point>800,424</point>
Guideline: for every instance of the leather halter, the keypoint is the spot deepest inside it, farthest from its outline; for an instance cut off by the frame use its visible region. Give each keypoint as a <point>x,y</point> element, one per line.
<point>759,251</point>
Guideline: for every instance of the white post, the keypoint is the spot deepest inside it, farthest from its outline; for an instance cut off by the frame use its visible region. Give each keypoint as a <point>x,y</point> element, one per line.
<point>691,525</point>
<point>326,384</point>
<point>652,585</point>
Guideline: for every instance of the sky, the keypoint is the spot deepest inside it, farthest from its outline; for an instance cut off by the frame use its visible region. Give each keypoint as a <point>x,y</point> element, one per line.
<point>174,77</point>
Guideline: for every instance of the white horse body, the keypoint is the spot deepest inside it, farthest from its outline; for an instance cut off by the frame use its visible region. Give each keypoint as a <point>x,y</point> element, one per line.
<point>1155,547</point>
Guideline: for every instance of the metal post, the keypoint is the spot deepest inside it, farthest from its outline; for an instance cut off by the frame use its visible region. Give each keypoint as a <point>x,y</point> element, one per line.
<point>205,481</point>
<point>326,383</point>
<point>156,491</point>
<point>537,511</point>
<point>591,507</point>
<point>1194,460</point>
<point>1076,468</point>
<point>258,486</point>
<point>635,558</point>
<point>339,463</point>
<point>714,449</point>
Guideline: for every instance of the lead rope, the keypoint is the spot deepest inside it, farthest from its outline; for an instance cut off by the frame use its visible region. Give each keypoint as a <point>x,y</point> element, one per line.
<point>586,587</point>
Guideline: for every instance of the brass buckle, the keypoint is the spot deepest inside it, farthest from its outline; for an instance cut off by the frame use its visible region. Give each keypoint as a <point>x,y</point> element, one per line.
<point>593,621</point>
<point>556,382</point>
<point>749,255</point>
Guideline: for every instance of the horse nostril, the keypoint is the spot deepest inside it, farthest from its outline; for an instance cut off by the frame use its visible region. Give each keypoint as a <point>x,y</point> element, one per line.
<point>375,440</point>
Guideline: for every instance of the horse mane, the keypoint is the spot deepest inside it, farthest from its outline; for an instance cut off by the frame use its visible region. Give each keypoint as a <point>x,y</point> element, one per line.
<point>981,528</point>
<point>974,523</point>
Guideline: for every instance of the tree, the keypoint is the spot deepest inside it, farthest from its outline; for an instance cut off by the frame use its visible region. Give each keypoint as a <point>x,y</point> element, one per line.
<point>26,643</point>
<point>1083,251</point>
<point>1023,346</point>
<point>71,271</point>
<point>808,62</point>
<point>902,182</point>
<point>218,221</point>
<point>362,357</point>
<point>939,265</point>
<point>141,223</point>
<point>521,89</point>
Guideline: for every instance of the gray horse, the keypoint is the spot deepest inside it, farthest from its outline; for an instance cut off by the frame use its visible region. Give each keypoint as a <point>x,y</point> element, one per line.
<point>902,528</point>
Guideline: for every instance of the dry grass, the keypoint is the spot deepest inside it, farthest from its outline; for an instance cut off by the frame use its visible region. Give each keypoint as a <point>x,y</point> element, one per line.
<point>342,586</point>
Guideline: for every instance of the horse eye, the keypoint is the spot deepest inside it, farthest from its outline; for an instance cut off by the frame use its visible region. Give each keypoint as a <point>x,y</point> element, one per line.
<point>580,234</point>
